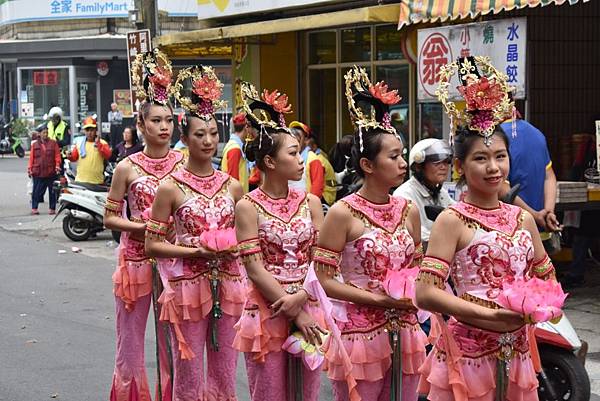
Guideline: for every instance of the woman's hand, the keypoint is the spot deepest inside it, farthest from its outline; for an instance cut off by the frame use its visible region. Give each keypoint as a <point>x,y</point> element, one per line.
<point>385,301</point>
<point>309,328</point>
<point>290,305</point>
<point>230,255</point>
<point>511,320</point>
<point>202,252</point>
<point>139,231</point>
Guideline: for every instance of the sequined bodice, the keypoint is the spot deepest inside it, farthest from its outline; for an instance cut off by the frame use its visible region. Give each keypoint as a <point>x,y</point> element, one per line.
<point>286,233</point>
<point>207,205</point>
<point>499,251</point>
<point>385,244</point>
<point>151,172</point>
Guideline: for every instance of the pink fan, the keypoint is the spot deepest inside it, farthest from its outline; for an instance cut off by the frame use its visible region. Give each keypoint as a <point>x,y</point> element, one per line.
<point>219,240</point>
<point>400,283</point>
<point>538,299</point>
<point>312,355</point>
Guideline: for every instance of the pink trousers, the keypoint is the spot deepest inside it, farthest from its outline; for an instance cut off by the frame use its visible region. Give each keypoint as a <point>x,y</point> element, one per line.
<point>189,383</point>
<point>130,382</point>
<point>268,380</point>
<point>378,390</point>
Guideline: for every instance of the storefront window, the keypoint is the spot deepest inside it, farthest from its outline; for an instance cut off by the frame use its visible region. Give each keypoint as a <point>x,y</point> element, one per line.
<point>396,76</point>
<point>430,120</point>
<point>356,44</point>
<point>387,43</point>
<point>381,57</point>
<point>42,89</point>
<point>322,47</point>
<point>323,105</point>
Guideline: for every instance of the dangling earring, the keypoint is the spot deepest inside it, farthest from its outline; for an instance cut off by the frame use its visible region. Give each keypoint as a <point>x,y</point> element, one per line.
<point>360,139</point>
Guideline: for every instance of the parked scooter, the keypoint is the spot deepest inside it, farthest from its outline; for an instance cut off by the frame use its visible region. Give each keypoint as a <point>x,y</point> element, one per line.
<point>83,206</point>
<point>562,353</point>
<point>9,143</point>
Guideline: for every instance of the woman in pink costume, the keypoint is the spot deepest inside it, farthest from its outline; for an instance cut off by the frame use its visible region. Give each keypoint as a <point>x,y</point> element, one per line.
<point>201,201</point>
<point>363,236</point>
<point>276,227</point>
<point>483,352</point>
<point>137,177</point>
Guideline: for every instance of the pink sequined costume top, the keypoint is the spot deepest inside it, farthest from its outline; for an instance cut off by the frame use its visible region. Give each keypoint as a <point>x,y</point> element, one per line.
<point>208,205</point>
<point>499,251</point>
<point>384,243</point>
<point>133,276</point>
<point>286,235</point>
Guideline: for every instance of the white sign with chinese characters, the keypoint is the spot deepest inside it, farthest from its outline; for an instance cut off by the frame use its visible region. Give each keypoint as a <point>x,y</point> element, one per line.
<point>226,8</point>
<point>137,42</point>
<point>504,41</point>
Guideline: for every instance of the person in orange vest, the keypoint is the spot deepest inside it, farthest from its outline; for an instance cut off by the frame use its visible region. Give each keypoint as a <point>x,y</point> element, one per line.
<point>330,184</point>
<point>234,160</point>
<point>313,180</point>
<point>44,165</point>
<point>91,152</point>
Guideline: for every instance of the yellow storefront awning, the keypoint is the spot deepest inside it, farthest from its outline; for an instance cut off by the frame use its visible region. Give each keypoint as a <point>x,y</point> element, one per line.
<point>376,14</point>
<point>416,11</point>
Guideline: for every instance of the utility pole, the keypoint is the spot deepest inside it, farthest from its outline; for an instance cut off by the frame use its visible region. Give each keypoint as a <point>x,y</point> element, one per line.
<point>148,16</point>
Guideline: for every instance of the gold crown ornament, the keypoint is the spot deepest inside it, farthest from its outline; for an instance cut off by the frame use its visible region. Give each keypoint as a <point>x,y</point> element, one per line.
<point>265,112</point>
<point>486,93</point>
<point>359,89</point>
<point>207,89</point>
<point>151,76</point>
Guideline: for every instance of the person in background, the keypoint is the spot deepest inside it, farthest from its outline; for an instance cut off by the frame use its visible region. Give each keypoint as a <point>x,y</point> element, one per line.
<point>115,118</point>
<point>583,169</point>
<point>128,146</point>
<point>530,166</point>
<point>313,179</point>
<point>329,189</point>
<point>58,129</point>
<point>90,151</point>
<point>234,161</point>
<point>429,160</point>
<point>44,165</point>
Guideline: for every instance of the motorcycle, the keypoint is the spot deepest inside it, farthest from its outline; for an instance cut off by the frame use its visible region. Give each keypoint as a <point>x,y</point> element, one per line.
<point>9,143</point>
<point>562,353</point>
<point>83,206</point>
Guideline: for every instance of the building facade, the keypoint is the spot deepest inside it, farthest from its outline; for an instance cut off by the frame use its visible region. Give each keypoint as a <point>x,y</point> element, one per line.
<point>304,48</point>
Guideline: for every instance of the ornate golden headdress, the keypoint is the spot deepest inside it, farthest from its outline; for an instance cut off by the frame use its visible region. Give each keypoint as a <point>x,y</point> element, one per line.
<point>151,76</point>
<point>207,89</point>
<point>359,89</point>
<point>487,96</point>
<point>265,112</point>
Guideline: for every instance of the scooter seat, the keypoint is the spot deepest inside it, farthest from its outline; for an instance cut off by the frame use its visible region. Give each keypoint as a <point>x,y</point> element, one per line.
<point>91,187</point>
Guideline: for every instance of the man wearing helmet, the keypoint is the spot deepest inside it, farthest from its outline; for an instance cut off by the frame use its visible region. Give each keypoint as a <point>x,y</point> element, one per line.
<point>429,161</point>
<point>58,129</point>
<point>91,152</point>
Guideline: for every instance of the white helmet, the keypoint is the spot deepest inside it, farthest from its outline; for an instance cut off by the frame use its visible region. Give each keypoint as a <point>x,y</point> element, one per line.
<point>430,149</point>
<point>55,111</point>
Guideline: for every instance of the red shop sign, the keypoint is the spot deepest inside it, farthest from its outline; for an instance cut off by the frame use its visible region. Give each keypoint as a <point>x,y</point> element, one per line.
<point>46,77</point>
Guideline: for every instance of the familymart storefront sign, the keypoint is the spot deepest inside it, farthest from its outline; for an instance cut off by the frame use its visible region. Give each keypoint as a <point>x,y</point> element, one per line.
<point>13,11</point>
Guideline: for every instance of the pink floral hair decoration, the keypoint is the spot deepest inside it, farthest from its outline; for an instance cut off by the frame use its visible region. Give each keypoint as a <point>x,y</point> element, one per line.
<point>206,91</point>
<point>485,91</point>
<point>359,89</point>
<point>151,76</point>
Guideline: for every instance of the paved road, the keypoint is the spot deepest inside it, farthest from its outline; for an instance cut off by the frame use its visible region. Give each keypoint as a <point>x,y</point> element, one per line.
<point>57,315</point>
